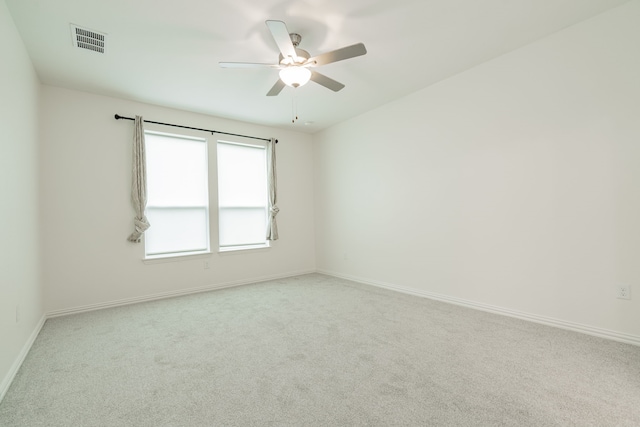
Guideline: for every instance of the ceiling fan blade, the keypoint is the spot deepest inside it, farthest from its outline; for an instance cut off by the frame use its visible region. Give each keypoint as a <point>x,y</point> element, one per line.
<point>277,88</point>
<point>281,36</point>
<point>325,81</point>
<point>352,51</point>
<point>246,65</point>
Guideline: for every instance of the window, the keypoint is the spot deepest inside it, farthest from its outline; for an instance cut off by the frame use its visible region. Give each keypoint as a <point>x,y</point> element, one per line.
<point>242,195</point>
<point>178,196</point>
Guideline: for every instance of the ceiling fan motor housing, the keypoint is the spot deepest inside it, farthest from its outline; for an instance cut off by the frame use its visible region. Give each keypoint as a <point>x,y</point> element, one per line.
<point>302,56</point>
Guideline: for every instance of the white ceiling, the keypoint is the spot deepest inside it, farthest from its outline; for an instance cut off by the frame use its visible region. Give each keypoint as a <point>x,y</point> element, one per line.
<point>166,52</point>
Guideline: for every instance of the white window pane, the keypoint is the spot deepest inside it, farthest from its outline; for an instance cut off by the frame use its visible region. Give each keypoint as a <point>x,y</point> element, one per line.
<point>242,175</point>
<point>176,171</point>
<point>176,230</point>
<point>242,226</point>
<point>242,194</point>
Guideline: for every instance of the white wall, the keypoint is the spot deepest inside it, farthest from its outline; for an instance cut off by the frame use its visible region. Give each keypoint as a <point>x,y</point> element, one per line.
<point>19,243</point>
<point>88,215</point>
<point>514,184</point>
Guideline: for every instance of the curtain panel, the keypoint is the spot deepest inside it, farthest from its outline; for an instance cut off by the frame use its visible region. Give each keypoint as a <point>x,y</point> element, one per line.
<point>139,182</point>
<point>272,226</point>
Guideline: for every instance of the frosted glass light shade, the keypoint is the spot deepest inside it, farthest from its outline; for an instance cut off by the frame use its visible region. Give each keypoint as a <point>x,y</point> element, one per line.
<point>295,76</point>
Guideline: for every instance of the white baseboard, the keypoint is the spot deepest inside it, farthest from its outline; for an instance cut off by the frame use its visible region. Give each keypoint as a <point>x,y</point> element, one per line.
<point>8,379</point>
<point>572,326</point>
<point>549,321</point>
<point>171,294</point>
<point>6,382</point>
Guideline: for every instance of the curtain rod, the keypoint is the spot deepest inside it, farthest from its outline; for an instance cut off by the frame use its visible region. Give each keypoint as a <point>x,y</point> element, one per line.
<point>119,117</point>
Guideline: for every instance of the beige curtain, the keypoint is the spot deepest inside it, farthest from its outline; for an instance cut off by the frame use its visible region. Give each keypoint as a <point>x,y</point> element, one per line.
<point>272,226</point>
<point>139,181</point>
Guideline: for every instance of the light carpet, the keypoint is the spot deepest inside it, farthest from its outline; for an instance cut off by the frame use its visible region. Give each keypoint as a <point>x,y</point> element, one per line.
<point>314,350</point>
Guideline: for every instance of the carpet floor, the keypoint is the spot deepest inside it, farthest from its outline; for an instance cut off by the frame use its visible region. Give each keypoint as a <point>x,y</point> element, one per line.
<point>315,350</point>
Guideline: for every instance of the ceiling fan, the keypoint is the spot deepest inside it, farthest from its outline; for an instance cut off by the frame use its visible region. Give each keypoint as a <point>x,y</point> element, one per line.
<point>294,63</point>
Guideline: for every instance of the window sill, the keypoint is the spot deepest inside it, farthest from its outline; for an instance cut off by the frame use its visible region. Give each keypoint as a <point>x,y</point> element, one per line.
<point>158,259</point>
<point>243,249</point>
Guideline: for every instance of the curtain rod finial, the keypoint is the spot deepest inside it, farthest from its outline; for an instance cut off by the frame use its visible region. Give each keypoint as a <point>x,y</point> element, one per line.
<point>117,116</point>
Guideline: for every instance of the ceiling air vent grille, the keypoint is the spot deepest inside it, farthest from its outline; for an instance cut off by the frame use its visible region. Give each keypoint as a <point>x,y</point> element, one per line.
<point>88,39</point>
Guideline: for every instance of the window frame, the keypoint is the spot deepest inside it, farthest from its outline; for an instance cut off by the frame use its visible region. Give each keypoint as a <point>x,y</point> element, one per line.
<point>242,247</point>
<point>150,257</point>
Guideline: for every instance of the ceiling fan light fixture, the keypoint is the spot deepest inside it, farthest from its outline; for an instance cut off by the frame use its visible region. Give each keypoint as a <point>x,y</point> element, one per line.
<point>294,62</point>
<point>295,76</point>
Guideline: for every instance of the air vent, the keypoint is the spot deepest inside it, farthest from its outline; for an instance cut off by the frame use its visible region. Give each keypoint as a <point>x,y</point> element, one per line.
<point>88,39</point>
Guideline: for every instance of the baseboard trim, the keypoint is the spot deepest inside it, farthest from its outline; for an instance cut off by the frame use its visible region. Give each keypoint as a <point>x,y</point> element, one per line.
<point>8,379</point>
<point>549,321</point>
<point>171,294</point>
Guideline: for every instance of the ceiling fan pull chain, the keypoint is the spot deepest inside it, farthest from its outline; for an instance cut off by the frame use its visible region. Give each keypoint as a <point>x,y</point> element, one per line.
<point>294,107</point>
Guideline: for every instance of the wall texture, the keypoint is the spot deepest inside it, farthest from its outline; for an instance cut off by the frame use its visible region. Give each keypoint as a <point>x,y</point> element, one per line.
<point>20,287</point>
<point>86,170</point>
<point>512,185</point>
